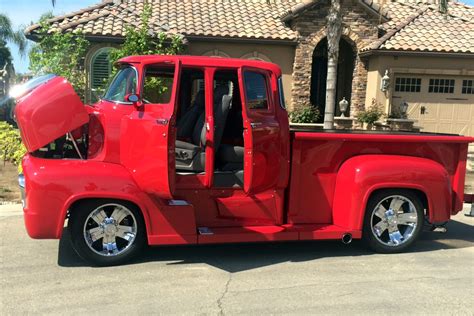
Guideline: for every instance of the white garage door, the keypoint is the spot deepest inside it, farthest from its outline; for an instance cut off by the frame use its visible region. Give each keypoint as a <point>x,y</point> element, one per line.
<point>441,104</point>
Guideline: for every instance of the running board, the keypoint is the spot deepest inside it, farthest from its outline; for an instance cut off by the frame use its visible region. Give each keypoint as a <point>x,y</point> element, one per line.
<point>272,233</point>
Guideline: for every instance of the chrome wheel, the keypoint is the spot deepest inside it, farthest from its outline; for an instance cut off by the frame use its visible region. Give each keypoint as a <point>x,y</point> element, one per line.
<point>110,229</point>
<point>394,220</point>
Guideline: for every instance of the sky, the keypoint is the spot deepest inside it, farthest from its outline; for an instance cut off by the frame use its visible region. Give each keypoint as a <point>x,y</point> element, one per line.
<point>23,12</point>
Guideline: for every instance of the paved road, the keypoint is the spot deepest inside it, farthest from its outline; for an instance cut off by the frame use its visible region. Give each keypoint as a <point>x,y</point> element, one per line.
<point>45,276</point>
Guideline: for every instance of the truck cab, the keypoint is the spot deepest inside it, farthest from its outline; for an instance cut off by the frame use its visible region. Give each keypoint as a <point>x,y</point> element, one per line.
<point>193,150</point>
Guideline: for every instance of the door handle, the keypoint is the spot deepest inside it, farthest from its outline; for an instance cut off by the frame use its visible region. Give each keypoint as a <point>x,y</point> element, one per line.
<point>162,121</point>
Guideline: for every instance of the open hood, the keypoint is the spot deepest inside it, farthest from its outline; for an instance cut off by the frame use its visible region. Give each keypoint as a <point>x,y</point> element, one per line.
<point>48,111</point>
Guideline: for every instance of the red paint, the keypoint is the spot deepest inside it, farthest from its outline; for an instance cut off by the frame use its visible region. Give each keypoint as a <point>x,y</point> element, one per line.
<point>297,185</point>
<point>49,112</point>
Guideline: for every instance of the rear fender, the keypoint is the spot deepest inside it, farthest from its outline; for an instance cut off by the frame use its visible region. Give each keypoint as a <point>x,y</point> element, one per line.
<point>360,176</point>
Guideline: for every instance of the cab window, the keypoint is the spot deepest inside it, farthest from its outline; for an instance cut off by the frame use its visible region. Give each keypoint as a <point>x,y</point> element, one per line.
<point>256,90</point>
<point>158,84</point>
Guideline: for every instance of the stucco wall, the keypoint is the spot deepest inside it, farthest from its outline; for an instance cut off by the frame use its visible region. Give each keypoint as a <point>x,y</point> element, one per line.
<point>420,64</point>
<point>282,55</point>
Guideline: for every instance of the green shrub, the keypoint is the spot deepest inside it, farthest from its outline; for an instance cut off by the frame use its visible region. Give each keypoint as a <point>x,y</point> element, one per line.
<point>11,147</point>
<point>372,114</point>
<point>61,54</point>
<point>306,113</point>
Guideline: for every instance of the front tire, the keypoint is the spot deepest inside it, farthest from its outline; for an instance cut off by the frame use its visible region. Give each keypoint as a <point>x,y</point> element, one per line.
<point>393,220</point>
<point>106,232</point>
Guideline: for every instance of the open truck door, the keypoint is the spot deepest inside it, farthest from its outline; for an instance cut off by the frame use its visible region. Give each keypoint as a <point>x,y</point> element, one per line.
<point>262,143</point>
<point>148,133</point>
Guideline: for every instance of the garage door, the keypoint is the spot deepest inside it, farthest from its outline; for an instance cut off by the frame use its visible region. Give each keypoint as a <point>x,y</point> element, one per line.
<point>441,104</point>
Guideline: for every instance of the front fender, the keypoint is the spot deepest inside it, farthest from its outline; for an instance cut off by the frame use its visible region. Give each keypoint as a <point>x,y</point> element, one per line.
<point>360,176</point>
<point>52,186</point>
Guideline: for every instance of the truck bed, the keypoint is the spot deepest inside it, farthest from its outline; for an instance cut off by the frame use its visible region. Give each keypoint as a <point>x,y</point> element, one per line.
<point>317,156</point>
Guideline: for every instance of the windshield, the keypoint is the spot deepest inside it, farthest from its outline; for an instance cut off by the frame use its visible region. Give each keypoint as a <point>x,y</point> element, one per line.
<point>124,84</point>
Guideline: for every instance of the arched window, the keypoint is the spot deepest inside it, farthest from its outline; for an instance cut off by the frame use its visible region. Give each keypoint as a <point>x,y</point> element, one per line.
<point>100,70</point>
<point>256,56</point>
<point>216,53</point>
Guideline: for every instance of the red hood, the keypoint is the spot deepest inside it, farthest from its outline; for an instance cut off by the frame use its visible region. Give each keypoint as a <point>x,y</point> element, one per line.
<point>48,112</point>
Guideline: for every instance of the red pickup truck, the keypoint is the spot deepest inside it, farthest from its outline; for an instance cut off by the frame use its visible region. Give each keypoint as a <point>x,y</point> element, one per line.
<point>195,150</point>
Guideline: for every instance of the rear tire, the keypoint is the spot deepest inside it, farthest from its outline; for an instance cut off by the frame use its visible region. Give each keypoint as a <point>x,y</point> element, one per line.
<point>393,220</point>
<point>107,232</point>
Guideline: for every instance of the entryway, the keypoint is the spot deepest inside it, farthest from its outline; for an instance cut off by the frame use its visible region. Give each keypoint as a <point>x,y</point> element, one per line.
<point>319,71</point>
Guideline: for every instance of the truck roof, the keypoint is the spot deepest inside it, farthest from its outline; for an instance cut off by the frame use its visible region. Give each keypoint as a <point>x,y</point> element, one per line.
<point>200,61</point>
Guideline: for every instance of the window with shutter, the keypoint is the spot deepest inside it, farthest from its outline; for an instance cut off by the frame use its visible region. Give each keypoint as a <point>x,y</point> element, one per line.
<point>101,68</point>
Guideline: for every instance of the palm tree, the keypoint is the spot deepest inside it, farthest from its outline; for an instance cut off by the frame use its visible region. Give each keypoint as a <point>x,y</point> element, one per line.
<point>8,34</point>
<point>333,34</point>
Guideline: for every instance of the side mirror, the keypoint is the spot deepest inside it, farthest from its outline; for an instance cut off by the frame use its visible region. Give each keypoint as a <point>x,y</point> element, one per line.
<point>133,98</point>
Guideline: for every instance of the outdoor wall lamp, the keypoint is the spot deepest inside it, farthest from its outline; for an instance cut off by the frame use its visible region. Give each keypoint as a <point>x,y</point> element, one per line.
<point>385,82</point>
<point>343,106</point>
<point>403,108</point>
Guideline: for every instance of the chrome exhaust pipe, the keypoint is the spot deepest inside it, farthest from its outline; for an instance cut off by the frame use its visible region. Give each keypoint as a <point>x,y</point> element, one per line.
<point>346,239</point>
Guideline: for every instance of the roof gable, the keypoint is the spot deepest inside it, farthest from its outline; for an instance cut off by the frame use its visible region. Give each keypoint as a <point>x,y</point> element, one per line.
<point>370,6</point>
<point>423,28</point>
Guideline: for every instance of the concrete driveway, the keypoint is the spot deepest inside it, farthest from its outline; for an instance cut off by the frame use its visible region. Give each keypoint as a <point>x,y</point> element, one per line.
<point>45,276</point>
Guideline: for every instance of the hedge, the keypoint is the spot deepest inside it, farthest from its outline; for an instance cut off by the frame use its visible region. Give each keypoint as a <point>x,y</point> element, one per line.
<point>11,147</point>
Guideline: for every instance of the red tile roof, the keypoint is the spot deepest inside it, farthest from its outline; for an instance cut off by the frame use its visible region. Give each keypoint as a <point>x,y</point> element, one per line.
<point>218,18</point>
<point>422,28</point>
<point>409,27</point>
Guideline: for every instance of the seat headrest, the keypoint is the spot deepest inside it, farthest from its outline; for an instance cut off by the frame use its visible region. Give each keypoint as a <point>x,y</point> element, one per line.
<point>223,89</point>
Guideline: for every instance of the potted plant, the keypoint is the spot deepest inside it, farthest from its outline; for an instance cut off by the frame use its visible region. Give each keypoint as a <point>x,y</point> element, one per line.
<point>304,115</point>
<point>371,115</point>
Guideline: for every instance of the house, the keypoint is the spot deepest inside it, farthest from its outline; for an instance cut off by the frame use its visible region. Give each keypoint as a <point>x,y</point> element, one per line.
<point>425,58</point>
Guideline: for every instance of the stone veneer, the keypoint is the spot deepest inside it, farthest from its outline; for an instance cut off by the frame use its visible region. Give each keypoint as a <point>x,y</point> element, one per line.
<point>359,30</point>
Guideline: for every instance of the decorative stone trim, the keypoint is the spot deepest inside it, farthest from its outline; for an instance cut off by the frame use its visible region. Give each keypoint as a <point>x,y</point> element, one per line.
<point>359,30</point>
<point>256,56</point>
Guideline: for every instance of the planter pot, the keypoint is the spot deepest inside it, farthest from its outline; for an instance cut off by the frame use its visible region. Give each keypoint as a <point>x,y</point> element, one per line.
<point>344,122</point>
<point>368,126</point>
<point>401,124</point>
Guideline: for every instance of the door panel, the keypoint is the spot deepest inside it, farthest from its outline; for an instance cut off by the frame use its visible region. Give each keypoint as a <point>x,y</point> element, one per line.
<point>261,135</point>
<point>258,210</point>
<point>148,143</point>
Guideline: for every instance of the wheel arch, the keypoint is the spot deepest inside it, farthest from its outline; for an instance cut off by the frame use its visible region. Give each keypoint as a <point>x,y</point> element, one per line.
<point>76,200</point>
<point>416,191</point>
<point>361,176</point>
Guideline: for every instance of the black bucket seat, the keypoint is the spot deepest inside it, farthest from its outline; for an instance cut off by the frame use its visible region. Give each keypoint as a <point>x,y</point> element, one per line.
<point>190,156</point>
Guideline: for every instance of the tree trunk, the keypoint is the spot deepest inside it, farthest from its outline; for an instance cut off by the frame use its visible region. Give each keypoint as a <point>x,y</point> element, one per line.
<point>333,32</point>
